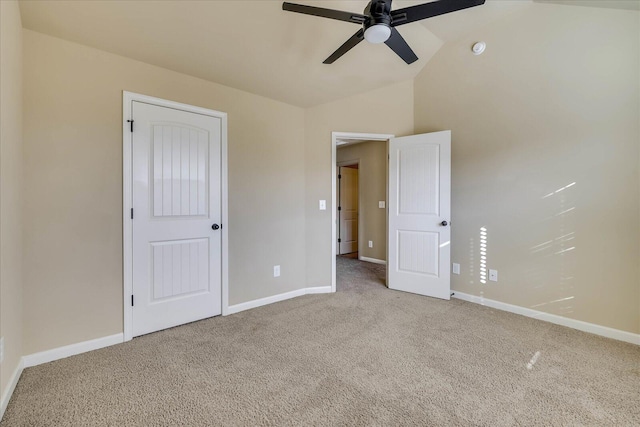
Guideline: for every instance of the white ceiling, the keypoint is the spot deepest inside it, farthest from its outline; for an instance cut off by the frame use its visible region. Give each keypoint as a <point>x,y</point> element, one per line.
<point>254,45</point>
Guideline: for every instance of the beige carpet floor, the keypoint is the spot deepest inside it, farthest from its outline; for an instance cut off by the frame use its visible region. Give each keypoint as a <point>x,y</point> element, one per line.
<point>352,255</point>
<point>363,356</point>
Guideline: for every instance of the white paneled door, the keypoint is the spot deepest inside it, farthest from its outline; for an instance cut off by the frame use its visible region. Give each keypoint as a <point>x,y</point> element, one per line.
<point>419,214</point>
<point>347,210</point>
<point>176,217</point>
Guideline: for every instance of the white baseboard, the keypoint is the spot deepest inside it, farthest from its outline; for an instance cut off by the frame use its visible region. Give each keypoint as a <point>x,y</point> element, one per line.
<point>277,298</point>
<point>373,260</point>
<point>71,350</point>
<point>318,290</point>
<point>6,395</point>
<point>592,328</point>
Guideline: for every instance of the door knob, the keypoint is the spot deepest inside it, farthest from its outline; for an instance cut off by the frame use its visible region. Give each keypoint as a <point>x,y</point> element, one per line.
<point>215,226</point>
<point>444,223</point>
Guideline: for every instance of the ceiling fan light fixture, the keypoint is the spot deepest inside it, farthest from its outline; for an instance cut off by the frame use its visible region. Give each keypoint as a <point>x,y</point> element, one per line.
<point>378,33</point>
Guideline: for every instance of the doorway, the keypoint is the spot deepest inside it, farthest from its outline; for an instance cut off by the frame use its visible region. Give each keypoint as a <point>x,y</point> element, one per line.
<point>418,212</point>
<point>367,242</point>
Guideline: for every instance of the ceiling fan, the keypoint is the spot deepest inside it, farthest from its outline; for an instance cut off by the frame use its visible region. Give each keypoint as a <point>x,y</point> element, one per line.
<point>379,22</point>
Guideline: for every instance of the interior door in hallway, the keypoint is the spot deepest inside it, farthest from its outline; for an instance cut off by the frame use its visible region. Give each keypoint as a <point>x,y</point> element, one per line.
<point>419,214</point>
<point>347,210</point>
<point>176,216</point>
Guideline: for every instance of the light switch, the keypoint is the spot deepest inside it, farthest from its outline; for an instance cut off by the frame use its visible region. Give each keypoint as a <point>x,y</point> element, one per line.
<point>493,275</point>
<point>323,205</point>
<point>381,204</point>
<point>456,268</point>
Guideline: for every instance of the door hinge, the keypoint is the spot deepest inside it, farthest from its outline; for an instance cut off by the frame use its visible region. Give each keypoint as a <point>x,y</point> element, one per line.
<point>339,208</point>
<point>339,240</point>
<point>131,123</point>
<point>131,213</point>
<point>339,176</point>
<point>131,300</point>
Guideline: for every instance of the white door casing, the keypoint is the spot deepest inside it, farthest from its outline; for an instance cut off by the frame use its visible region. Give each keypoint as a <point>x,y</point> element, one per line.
<point>419,202</point>
<point>175,265</point>
<point>348,210</point>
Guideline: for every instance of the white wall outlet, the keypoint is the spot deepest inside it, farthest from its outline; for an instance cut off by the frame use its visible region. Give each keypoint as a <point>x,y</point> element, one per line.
<point>276,271</point>
<point>322,205</point>
<point>456,268</point>
<point>381,204</point>
<point>493,275</point>
<point>370,243</point>
<point>1,349</point>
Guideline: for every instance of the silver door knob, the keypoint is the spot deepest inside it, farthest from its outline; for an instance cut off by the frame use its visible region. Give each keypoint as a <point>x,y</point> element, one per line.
<point>444,223</point>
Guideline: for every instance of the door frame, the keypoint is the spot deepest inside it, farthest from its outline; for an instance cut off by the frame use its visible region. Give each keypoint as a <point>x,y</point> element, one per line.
<point>341,165</point>
<point>127,198</point>
<point>339,139</point>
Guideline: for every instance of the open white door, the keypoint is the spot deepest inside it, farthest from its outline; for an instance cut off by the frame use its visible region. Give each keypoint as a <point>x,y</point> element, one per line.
<point>176,216</point>
<point>419,214</point>
<point>347,210</point>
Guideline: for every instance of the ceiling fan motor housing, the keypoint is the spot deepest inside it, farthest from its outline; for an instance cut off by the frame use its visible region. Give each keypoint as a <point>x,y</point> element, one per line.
<point>379,12</point>
<point>377,25</point>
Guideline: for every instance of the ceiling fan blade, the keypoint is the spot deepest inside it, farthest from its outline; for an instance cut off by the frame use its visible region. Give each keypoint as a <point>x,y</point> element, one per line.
<point>398,44</point>
<point>427,10</point>
<point>347,46</point>
<point>340,15</point>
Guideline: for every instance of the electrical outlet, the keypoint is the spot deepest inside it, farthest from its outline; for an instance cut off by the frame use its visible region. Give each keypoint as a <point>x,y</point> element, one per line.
<point>456,268</point>
<point>381,204</point>
<point>276,271</point>
<point>1,349</point>
<point>322,205</point>
<point>493,275</point>
<point>370,243</point>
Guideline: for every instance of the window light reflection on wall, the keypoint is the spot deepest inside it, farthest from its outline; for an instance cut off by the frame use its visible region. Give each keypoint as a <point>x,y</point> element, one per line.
<point>483,255</point>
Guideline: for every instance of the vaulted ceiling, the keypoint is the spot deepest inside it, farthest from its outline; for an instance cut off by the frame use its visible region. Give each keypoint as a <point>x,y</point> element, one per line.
<point>254,45</point>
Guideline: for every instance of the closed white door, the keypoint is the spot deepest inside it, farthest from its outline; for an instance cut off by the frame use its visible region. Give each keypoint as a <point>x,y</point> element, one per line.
<point>419,214</point>
<point>176,217</point>
<point>348,210</point>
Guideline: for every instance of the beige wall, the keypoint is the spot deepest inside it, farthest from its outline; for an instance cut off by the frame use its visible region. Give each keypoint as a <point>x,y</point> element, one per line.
<point>73,171</point>
<point>388,110</point>
<point>10,189</point>
<point>553,101</point>
<point>372,177</point>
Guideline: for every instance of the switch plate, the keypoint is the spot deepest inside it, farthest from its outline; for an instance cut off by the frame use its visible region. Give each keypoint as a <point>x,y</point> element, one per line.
<point>323,205</point>
<point>381,204</point>
<point>493,275</point>
<point>276,271</point>
<point>456,268</point>
<point>370,243</point>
